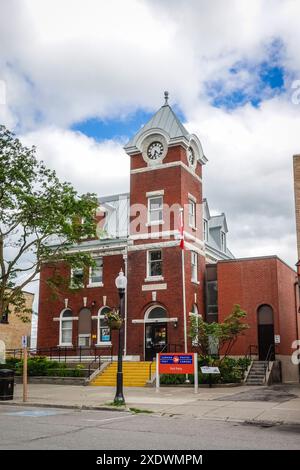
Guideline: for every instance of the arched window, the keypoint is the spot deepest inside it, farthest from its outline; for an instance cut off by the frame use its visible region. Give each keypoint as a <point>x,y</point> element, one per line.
<point>65,330</point>
<point>155,313</point>
<point>103,335</point>
<point>265,315</point>
<point>84,327</point>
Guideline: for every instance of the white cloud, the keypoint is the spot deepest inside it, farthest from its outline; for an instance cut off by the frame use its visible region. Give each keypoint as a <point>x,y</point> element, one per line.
<point>100,167</point>
<point>65,61</point>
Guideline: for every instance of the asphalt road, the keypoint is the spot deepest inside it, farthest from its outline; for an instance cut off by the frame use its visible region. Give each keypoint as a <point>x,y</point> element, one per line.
<point>49,428</point>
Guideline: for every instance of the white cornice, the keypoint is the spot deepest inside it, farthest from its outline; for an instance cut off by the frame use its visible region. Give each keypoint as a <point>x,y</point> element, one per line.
<point>166,165</point>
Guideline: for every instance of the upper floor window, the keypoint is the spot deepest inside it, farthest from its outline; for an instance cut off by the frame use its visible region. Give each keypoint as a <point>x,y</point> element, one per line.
<point>65,334</point>
<point>192,213</point>
<point>96,273</point>
<point>4,316</point>
<point>77,278</point>
<point>205,230</point>
<point>155,210</point>
<point>154,263</point>
<point>223,241</point>
<point>194,264</point>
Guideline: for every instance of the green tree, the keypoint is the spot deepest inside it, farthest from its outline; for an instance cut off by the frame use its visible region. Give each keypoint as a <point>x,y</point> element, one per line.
<point>217,336</point>
<point>40,219</point>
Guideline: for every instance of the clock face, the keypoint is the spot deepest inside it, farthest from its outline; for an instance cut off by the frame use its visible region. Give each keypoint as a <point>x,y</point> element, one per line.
<point>191,156</point>
<point>155,150</point>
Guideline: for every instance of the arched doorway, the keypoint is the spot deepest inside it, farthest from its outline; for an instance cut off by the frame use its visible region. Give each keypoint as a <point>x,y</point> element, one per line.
<point>155,331</point>
<point>265,321</point>
<point>84,327</point>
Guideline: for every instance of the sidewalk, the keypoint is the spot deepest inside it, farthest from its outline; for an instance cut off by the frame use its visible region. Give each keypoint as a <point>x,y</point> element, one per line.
<point>276,404</point>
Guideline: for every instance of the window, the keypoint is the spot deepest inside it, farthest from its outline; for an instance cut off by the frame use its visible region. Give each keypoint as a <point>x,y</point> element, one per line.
<point>154,263</point>
<point>205,230</point>
<point>155,210</point>
<point>212,301</point>
<point>223,241</point>
<point>103,329</point>
<point>195,314</point>
<point>77,278</point>
<point>4,317</point>
<point>194,264</point>
<point>96,273</point>
<point>192,213</point>
<point>66,324</point>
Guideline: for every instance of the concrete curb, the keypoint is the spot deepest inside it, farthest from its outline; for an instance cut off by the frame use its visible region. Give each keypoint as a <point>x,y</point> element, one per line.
<point>71,407</point>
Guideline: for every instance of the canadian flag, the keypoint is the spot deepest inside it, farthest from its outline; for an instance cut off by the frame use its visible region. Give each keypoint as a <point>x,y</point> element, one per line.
<point>181,229</point>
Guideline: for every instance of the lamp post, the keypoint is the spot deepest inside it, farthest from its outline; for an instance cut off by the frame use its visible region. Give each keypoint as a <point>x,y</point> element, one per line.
<point>121,283</point>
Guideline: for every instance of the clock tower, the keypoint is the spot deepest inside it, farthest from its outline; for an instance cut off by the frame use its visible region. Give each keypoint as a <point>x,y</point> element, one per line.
<point>165,282</point>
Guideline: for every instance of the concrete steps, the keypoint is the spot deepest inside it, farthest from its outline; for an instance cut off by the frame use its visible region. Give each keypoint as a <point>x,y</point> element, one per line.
<point>135,374</point>
<point>256,375</point>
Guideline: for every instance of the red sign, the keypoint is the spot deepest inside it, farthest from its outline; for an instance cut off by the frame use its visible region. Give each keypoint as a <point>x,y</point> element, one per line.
<point>176,363</point>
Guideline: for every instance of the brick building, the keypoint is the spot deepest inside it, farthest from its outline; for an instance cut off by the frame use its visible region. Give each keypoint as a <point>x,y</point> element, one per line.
<point>12,328</point>
<point>142,235</point>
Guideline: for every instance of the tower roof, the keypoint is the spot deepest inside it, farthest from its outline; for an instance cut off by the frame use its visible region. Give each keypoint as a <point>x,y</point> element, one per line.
<point>165,122</point>
<point>164,119</point>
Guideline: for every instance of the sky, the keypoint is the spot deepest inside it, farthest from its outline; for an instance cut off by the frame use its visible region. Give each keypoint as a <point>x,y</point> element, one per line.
<point>79,78</point>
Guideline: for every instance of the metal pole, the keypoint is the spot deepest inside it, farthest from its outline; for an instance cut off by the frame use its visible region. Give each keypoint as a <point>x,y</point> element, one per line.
<point>119,397</point>
<point>25,374</point>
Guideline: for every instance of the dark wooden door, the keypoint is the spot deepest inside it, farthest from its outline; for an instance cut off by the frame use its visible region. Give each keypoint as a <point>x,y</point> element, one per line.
<point>155,339</point>
<point>265,340</point>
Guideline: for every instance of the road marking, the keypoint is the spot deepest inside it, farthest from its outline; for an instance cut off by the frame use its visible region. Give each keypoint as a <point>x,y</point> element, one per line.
<point>109,419</point>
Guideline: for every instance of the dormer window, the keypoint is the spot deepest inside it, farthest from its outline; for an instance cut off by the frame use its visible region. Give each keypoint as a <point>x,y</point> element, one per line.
<point>205,230</point>
<point>223,242</point>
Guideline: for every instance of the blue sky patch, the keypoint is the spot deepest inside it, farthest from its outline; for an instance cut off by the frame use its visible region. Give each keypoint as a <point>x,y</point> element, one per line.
<point>260,81</point>
<point>117,129</point>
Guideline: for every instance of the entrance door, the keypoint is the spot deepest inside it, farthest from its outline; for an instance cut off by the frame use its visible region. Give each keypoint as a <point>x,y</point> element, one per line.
<point>265,332</point>
<point>155,339</point>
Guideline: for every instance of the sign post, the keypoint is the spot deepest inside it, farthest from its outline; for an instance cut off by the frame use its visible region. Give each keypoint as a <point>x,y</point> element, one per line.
<point>177,363</point>
<point>24,345</point>
<point>210,371</point>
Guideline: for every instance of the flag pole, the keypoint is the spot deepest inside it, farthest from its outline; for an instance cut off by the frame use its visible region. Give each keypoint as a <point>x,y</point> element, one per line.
<point>183,281</point>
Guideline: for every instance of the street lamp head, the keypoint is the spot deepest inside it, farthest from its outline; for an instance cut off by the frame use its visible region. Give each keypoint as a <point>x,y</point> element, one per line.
<point>121,281</point>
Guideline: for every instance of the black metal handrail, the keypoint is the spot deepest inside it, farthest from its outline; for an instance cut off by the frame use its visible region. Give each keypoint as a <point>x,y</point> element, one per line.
<point>94,361</point>
<point>267,361</point>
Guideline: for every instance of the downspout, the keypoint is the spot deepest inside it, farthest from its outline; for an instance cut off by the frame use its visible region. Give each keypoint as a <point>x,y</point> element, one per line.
<point>125,257</point>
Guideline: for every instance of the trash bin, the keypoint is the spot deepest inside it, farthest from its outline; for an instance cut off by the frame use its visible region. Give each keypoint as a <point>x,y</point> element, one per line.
<point>6,384</point>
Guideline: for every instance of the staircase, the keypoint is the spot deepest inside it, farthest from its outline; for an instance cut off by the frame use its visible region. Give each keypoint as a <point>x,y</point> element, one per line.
<point>135,374</point>
<point>256,375</point>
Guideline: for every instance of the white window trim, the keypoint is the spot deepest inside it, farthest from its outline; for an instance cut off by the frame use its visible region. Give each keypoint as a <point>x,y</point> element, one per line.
<point>193,225</point>
<point>71,286</point>
<point>148,275</point>
<point>194,280</point>
<point>205,230</point>
<point>223,241</point>
<point>155,222</point>
<point>99,317</point>
<point>95,284</point>
<point>160,192</point>
<point>61,320</point>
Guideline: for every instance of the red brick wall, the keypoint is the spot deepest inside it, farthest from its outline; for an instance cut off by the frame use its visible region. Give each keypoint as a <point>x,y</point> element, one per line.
<point>251,283</point>
<point>50,306</point>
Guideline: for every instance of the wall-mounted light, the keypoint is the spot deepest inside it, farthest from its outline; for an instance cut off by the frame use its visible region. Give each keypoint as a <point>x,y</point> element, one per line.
<point>175,323</point>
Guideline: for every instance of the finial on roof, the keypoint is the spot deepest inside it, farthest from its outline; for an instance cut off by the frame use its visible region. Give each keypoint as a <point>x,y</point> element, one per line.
<point>166,98</point>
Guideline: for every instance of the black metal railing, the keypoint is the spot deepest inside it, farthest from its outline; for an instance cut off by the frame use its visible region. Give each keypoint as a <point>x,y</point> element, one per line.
<point>269,358</point>
<point>61,354</point>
